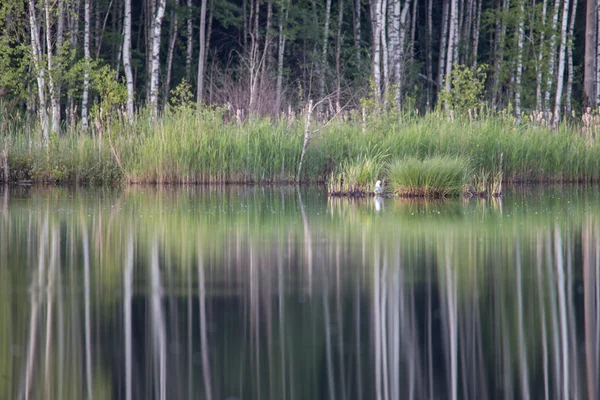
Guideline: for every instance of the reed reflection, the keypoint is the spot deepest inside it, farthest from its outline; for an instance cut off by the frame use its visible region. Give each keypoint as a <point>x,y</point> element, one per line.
<point>281,294</point>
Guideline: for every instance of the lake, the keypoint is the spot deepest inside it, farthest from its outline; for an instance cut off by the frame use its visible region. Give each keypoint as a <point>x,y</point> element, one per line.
<point>282,293</point>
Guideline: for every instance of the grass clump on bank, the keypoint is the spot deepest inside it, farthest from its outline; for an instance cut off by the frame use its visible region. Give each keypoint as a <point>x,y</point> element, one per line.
<point>356,177</point>
<point>439,176</point>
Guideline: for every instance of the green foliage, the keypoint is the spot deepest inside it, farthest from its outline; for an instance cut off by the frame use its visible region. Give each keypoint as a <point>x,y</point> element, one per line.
<point>466,88</point>
<point>112,93</point>
<point>182,96</point>
<point>357,176</point>
<point>439,176</point>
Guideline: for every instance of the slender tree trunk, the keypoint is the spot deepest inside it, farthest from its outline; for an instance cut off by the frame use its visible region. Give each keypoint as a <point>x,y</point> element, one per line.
<point>202,50</point>
<point>86,72</point>
<point>443,43</point>
<point>519,72</point>
<point>171,48</point>
<point>283,18</point>
<point>561,63</point>
<point>539,69</point>
<point>452,45</point>
<point>323,66</point>
<point>127,58</point>
<point>375,23</point>
<point>100,34</point>
<point>211,7</point>
<point>551,55</point>
<point>589,73</point>
<point>401,50</point>
<point>49,54</point>
<point>499,56</point>
<point>429,48</point>
<point>190,42</point>
<point>267,48</point>
<point>39,69</point>
<point>476,32</point>
<point>385,56</point>
<point>60,38</point>
<point>570,69</point>
<point>357,8</point>
<point>598,56</point>
<point>338,55</point>
<point>160,13</point>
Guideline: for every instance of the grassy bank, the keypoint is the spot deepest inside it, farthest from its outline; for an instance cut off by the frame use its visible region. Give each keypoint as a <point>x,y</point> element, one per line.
<point>187,146</point>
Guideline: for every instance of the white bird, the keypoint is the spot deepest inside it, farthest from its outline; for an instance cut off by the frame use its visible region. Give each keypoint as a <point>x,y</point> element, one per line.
<point>378,188</point>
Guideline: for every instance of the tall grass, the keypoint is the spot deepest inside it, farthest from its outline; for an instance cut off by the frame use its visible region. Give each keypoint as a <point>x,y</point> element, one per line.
<point>191,146</point>
<point>358,176</point>
<point>439,176</point>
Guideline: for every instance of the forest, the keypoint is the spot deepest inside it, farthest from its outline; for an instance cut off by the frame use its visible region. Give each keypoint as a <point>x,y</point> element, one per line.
<point>283,71</point>
<point>59,59</point>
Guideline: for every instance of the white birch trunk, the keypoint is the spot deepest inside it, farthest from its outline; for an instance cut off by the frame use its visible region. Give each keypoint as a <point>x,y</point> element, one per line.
<point>401,50</point>
<point>55,122</point>
<point>86,72</point>
<point>283,18</point>
<point>60,38</point>
<point>443,43</point>
<point>452,45</point>
<point>538,88</point>
<point>127,59</point>
<point>39,69</point>
<point>338,55</point>
<point>190,42</point>
<point>429,49</point>
<point>589,73</point>
<point>172,37</point>
<point>160,13</point>
<point>561,63</point>
<point>375,20</point>
<point>519,71</point>
<point>385,56</point>
<point>551,55</point>
<point>202,50</point>
<point>570,69</point>
<point>598,55</point>
<point>323,62</point>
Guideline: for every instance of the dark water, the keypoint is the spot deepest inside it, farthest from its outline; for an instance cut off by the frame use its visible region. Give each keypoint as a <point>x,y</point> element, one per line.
<point>250,293</point>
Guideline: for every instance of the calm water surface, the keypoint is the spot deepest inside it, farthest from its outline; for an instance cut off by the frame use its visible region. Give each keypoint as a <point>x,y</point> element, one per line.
<point>274,293</point>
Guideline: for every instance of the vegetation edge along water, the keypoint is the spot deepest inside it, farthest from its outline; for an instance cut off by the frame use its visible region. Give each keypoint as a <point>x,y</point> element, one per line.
<point>208,145</point>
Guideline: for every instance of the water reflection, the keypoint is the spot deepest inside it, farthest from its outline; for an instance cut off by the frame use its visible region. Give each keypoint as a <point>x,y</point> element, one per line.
<point>276,293</point>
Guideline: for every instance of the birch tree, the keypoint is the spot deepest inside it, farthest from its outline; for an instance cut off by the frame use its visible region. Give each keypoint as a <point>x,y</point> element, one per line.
<point>560,75</point>
<point>376,50</point>
<point>519,72</point>
<point>39,69</point>
<point>127,58</point>
<point>49,60</point>
<point>283,18</point>
<point>190,42</point>
<point>173,30</point>
<point>540,59</point>
<point>551,54</point>
<point>452,44</point>
<point>323,67</point>
<point>86,72</point>
<point>570,68</point>
<point>202,50</point>
<point>157,24</point>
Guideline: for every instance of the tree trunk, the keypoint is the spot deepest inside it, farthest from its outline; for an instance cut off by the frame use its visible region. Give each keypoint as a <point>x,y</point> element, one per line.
<point>160,13</point>
<point>519,72</point>
<point>375,23</point>
<point>53,101</point>
<point>323,67</point>
<point>598,56</point>
<point>385,57</point>
<point>60,38</point>
<point>190,44</point>
<point>401,50</point>
<point>283,18</point>
<point>127,58</point>
<point>452,45</point>
<point>570,70</point>
<point>429,48</point>
<point>589,73</point>
<point>443,43</point>
<point>551,55</point>
<point>338,54</point>
<point>538,91</point>
<point>561,63</point>
<point>476,31</point>
<point>356,8</point>
<point>202,50</point>
<point>172,37</point>
<point>86,72</point>
<point>267,48</point>
<point>39,69</point>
